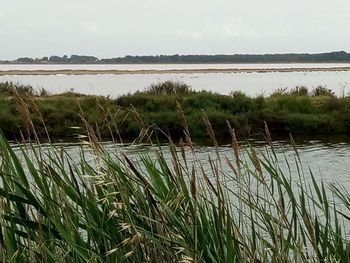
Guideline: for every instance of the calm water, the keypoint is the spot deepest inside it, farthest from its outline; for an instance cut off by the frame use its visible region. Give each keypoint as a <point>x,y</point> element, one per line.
<point>328,160</point>
<point>170,66</point>
<point>251,83</point>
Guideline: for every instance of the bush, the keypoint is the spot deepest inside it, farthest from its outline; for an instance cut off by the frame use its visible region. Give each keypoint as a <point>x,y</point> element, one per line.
<point>10,89</point>
<point>332,104</point>
<point>292,104</point>
<point>322,91</point>
<point>241,102</point>
<point>279,92</point>
<point>169,87</point>
<point>300,91</point>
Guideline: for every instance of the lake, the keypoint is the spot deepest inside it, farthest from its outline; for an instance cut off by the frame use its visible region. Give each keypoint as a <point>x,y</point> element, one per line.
<point>253,83</point>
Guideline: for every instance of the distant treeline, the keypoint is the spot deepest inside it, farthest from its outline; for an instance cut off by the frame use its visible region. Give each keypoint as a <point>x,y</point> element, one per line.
<point>339,56</point>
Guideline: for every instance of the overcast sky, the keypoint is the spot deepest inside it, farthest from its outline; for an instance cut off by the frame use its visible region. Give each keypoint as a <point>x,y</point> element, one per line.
<point>111,28</point>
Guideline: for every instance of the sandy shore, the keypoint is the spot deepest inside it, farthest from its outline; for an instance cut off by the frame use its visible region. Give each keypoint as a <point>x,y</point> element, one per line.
<point>172,71</point>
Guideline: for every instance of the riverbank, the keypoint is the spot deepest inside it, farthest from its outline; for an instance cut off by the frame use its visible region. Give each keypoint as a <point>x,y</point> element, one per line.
<point>157,111</point>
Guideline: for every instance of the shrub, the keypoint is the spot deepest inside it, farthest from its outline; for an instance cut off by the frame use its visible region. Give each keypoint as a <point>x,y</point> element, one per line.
<point>241,102</point>
<point>169,87</point>
<point>279,92</point>
<point>300,91</point>
<point>332,104</point>
<point>10,89</point>
<point>291,104</point>
<point>322,91</point>
<point>259,103</point>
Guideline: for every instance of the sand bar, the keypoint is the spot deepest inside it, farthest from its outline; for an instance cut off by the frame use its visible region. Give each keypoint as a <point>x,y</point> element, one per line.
<point>171,71</point>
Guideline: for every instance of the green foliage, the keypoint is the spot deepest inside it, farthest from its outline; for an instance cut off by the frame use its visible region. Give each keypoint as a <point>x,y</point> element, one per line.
<point>241,102</point>
<point>168,88</point>
<point>297,91</point>
<point>285,111</point>
<point>300,91</point>
<point>315,124</point>
<point>278,92</point>
<point>291,104</point>
<point>10,88</point>
<point>322,91</point>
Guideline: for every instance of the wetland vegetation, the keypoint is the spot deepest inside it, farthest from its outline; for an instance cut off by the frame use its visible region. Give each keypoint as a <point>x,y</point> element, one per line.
<point>107,206</point>
<point>296,111</point>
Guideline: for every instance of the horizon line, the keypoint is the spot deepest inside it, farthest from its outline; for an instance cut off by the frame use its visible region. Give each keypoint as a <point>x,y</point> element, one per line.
<point>177,54</point>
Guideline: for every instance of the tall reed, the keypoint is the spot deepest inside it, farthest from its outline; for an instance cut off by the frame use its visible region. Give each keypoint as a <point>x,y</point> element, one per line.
<point>109,206</point>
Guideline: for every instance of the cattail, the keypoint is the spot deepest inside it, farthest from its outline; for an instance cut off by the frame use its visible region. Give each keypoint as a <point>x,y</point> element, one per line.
<point>234,145</point>
<point>267,133</point>
<point>24,113</point>
<point>256,161</point>
<point>209,128</point>
<point>294,147</point>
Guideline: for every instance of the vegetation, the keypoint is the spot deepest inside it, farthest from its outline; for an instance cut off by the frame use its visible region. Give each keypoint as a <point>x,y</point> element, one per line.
<point>163,205</point>
<point>298,111</point>
<point>169,88</point>
<point>10,89</point>
<point>107,206</point>
<point>339,56</point>
<point>73,59</point>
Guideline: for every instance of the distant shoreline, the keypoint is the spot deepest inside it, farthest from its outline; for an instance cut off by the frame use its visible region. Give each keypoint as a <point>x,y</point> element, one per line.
<point>335,56</point>
<point>182,63</point>
<point>167,71</point>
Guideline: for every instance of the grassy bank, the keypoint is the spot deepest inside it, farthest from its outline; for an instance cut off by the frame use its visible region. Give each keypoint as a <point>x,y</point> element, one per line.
<point>298,111</point>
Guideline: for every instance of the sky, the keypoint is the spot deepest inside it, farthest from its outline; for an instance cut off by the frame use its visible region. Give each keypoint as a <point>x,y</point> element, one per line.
<point>113,28</point>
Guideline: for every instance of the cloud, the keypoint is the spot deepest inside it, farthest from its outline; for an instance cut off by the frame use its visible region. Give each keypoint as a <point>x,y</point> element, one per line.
<point>114,27</point>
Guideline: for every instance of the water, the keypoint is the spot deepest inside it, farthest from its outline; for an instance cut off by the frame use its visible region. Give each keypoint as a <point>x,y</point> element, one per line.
<point>328,160</point>
<point>167,66</point>
<point>252,84</point>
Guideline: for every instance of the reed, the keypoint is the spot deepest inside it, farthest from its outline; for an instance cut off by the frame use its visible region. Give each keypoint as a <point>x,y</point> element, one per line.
<point>108,206</point>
